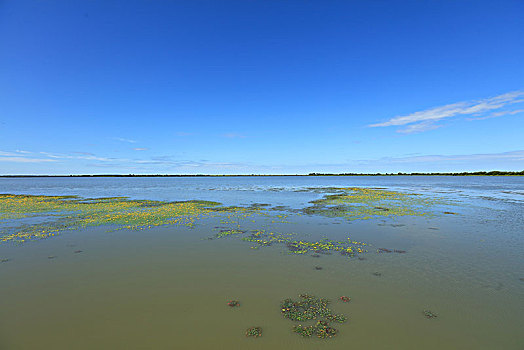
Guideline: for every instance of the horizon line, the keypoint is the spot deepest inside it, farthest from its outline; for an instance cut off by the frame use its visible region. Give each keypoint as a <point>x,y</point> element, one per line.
<point>477,173</point>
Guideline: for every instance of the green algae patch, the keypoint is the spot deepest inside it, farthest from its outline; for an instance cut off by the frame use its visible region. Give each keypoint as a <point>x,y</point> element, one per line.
<point>311,308</point>
<point>25,217</point>
<point>68,212</point>
<point>230,232</point>
<point>355,203</point>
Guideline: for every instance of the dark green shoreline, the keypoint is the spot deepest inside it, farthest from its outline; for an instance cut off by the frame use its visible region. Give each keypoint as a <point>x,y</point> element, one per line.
<point>476,173</point>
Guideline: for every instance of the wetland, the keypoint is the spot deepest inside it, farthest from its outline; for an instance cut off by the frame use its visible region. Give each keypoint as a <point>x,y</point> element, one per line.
<point>282,262</point>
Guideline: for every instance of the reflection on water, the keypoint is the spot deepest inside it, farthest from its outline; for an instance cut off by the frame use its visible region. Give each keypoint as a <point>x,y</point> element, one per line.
<point>169,286</point>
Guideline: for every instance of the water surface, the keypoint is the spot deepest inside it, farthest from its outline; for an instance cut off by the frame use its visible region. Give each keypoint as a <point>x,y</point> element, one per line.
<point>167,287</point>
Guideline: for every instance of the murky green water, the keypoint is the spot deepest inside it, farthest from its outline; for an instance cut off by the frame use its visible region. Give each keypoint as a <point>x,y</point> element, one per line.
<point>167,287</point>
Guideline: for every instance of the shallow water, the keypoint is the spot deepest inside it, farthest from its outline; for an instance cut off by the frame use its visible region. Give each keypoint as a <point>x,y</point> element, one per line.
<point>167,287</point>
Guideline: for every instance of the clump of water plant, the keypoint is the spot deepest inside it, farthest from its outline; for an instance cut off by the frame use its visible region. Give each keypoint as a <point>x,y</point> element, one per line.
<point>324,246</point>
<point>307,308</point>
<point>254,332</point>
<point>321,329</point>
<point>229,232</point>
<point>233,303</point>
<point>429,314</point>
<point>337,318</point>
<point>345,299</point>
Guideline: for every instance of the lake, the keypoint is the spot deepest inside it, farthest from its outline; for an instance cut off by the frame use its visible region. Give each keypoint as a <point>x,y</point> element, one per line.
<point>428,262</point>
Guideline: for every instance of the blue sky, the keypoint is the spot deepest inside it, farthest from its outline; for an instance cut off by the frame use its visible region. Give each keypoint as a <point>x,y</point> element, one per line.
<point>265,87</point>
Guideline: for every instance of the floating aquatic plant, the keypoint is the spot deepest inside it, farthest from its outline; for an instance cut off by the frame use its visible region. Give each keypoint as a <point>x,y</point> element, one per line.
<point>309,307</point>
<point>429,314</point>
<point>229,232</point>
<point>254,332</point>
<point>53,214</point>
<point>50,215</point>
<point>365,203</point>
<point>321,329</point>
<point>324,246</point>
<point>233,303</point>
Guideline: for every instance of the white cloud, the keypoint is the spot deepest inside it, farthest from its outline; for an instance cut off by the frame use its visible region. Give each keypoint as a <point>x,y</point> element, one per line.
<point>428,117</point>
<point>419,127</point>
<point>140,149</point>
<point>4,153</point>
<point>154,164</point>
<point>121,139</point>
<point>517,156</point>
<point>498,114</point>
<point>25,160</point>
<point>84,155</point>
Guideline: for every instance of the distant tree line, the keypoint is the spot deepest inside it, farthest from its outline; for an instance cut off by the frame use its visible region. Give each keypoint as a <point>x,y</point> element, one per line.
<point>474,173</point>
<point>464,173</point>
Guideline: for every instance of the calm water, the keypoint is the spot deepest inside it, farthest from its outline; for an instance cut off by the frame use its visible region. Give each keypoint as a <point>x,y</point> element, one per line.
<point>167,287</point>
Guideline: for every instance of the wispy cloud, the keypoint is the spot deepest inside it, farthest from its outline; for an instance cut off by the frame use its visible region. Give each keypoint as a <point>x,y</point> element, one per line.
<point>83,155</point>
<point>4,153</point>
<point>424,120</point>
<point>152,164</point>
<point>512,160</point>
<point>187,163</point>
<point>25,160</point>
<point>140,149</point>
<point>121,139</point>
<point>420,127</point>
<point>20,157</point>
<point>517,156</point>
<point>497,114</point>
